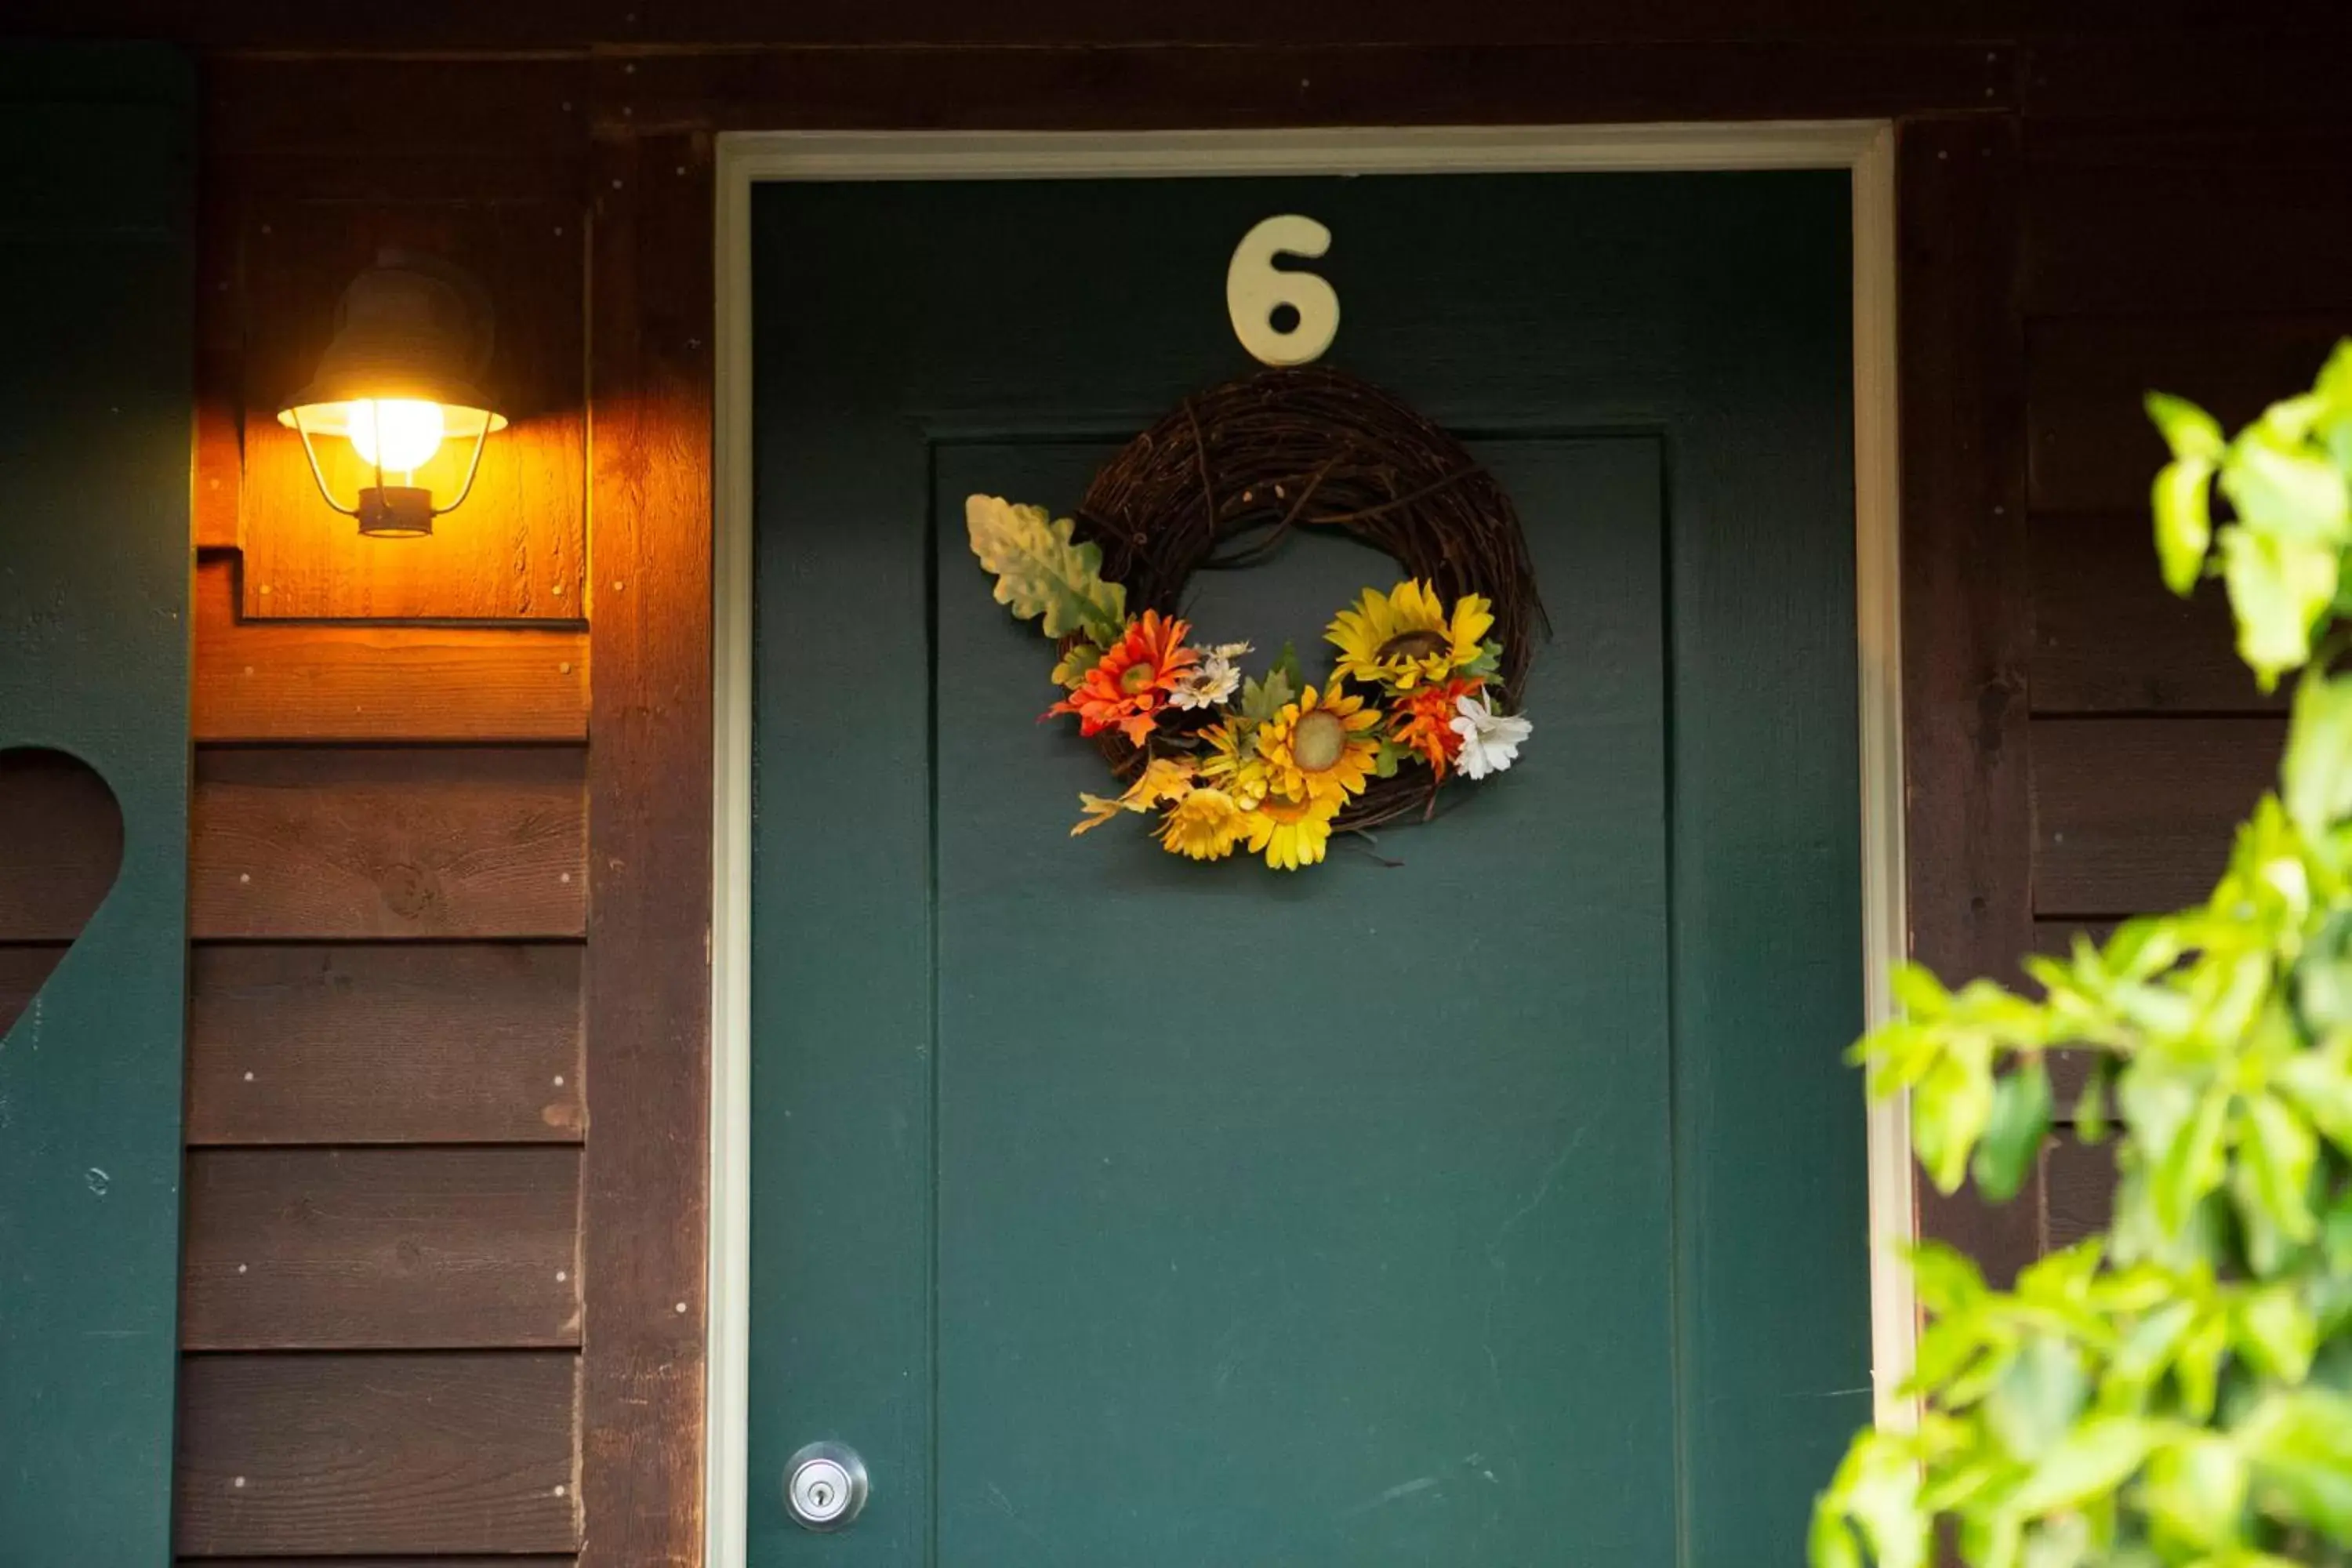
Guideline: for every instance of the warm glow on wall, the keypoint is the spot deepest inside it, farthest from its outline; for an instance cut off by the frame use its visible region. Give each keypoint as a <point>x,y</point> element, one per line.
<point>402,377</point>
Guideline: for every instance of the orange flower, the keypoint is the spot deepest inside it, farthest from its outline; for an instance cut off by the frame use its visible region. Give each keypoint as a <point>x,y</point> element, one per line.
<point>1423,721</point>
<point>1131,682</point>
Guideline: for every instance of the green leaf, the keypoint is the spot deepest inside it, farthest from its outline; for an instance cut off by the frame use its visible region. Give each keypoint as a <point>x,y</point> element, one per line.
<point>2090,1114</point>
<point>1263,698</point>
<point>2197,1489</point>
<point>2189,1166</point>
<point>2301,1444</point>
<point>2316,777</point>
<point>2186,429</point>
<point>1949,1111</point>
<point>2274,1332</point>
<point>1488,662</point>
<point>1076,659</point>
<point>2147,1350</point>
<point>1286,665</point>
<point>2289,492</point>
<point>2182,501</point>
<point>2033,1405</point>
<point>2320,1082</point>
<point>2196,1364</point>
<point>1947,1280</point>
<point>1388,756</point>
<point>2095,1457</point>
<point>2278,1149</point>
<point>2333,429</point>
<point>1877,1486</point>
<point>2278,590</point>
<point>1040,571</point>
<point>1829,1545</point>
<point>2013,1134</point>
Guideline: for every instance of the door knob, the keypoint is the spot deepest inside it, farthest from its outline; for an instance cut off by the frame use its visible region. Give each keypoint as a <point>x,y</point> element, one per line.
<point>824,1486</point>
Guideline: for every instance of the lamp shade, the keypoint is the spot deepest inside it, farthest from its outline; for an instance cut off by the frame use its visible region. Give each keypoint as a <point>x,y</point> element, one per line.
<point>401,376</point>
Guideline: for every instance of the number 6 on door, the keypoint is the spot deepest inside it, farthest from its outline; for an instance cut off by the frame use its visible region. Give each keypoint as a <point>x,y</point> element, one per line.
<point>1255,288</point>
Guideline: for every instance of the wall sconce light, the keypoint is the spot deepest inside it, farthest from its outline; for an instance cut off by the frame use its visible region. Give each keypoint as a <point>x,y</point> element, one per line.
<point>402,377</point>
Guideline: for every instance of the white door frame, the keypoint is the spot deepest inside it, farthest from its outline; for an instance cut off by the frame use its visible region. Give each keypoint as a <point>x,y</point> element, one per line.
<point>1865,148</point>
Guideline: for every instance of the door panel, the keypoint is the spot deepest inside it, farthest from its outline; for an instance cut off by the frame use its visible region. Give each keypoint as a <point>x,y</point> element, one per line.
<point>1341,1198</point>
<point>1492,1194</point>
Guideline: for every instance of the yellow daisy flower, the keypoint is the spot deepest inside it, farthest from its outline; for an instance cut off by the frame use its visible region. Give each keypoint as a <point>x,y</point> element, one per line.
<point>1320,747</point>
<point>1165,778</point>
<point>1291,833</point>
<point>1234,765</point>
<point>1403,638</point>
<point>1204,824</point>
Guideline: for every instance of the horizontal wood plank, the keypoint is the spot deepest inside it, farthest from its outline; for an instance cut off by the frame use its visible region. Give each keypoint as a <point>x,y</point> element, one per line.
<point>390,1043</point>
<point>304,681</point>
<point>381,1248</point>
<point>2109,637</point>
<point>2137,815</point>
<point>61,847</point>
<point>441,1453</point>
<point>2079,1184</point>
<point>2173,230</point>
<point>2055,938</point>
<point>504,110</point>
<point>2093,449</point>
<point>541,25</point>
<point>316,842</point>
<point>2277,73</point>
<point>1481,83</point>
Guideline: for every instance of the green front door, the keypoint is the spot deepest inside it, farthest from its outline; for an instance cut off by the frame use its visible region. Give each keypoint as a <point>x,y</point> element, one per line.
<point>1490,1196</point>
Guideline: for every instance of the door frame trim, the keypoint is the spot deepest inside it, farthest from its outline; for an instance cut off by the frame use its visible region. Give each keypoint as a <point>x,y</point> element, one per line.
<point>1865,148</point>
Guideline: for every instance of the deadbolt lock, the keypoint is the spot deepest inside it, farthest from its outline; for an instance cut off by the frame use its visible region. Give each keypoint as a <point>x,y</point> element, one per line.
<point>824,1486</point>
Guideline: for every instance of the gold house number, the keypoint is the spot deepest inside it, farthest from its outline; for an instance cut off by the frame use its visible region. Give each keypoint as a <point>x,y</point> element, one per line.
<point>1257,292</point>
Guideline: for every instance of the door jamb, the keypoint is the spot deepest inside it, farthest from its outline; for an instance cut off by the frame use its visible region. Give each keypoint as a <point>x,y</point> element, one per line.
<point>1865,148</point>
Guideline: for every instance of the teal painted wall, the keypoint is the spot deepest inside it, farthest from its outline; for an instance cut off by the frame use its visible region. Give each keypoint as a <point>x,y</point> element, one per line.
<point>96,316</point>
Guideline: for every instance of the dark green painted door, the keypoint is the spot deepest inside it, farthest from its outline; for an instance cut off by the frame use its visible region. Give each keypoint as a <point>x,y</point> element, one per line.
<point>1490,1198</point>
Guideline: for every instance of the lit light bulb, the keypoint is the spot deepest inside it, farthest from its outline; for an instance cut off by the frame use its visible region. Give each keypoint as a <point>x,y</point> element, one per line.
<point>397,434</point>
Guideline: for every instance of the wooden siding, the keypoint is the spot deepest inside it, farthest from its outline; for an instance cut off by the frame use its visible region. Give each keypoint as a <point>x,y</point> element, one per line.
<point>327,1043</point>
<point>381,1248</point>
<point>303,680</point>
<point>409,1455</point>
<point>409,1073</point>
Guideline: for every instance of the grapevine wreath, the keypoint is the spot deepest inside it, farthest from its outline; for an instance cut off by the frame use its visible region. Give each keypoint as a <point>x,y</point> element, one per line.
<point>1426,680</point>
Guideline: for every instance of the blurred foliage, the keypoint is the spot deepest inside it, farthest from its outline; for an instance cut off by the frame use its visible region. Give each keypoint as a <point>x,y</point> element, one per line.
<point>2177,1390</point>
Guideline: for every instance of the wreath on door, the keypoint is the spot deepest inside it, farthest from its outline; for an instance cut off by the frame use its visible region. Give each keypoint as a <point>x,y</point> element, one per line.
<point>1422,687</point>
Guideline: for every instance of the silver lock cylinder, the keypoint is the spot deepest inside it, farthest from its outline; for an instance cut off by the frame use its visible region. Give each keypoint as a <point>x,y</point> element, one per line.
<point>824,1486</point>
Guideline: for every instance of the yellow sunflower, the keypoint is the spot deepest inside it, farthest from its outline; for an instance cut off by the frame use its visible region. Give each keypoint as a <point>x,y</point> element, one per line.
<point>1290,833</point>
<point>1320,747</point>
<point>1234,765</point>
<point>1203,824</point>
<point>1403,638</point>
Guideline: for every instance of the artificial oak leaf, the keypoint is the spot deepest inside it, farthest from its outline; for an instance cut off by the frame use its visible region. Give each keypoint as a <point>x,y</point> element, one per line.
<point>1042,571</point>
<point>1076,659</point>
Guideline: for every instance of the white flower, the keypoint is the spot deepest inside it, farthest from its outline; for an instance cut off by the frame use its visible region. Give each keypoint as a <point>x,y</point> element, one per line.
<point>1490,740</point>
<point>1212,681</point>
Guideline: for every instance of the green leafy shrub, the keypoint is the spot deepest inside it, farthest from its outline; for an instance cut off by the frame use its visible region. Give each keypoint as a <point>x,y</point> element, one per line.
<point>2178,1389</point>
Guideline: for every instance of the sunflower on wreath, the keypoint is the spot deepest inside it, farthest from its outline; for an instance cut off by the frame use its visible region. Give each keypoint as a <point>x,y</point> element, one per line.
<point>1272,762</point>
